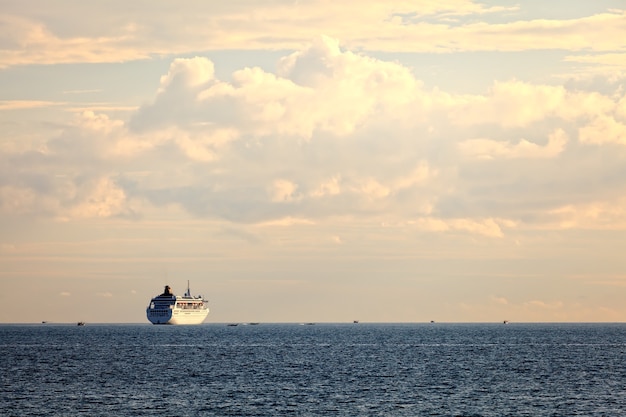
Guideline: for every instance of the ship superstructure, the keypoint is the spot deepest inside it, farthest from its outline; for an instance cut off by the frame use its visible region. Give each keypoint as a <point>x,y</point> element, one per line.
<point>168,308</point>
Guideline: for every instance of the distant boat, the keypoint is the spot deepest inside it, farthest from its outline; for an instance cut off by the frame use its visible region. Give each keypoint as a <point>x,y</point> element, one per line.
<point>80,323</point>
<point>505,322</point>
<point>233,324</point>
<point>355,322</point>
<point>254,324</point>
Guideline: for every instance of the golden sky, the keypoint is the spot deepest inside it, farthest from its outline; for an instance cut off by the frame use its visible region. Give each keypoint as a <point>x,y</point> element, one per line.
<point>314,161</point>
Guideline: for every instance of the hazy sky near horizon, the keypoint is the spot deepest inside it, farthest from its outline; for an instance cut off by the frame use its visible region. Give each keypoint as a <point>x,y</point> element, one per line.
<point>314,160</point>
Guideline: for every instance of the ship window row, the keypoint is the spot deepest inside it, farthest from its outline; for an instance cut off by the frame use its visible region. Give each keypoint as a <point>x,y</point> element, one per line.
<point>159,313</point>
<point>159,305</point>
<point>194,306</point>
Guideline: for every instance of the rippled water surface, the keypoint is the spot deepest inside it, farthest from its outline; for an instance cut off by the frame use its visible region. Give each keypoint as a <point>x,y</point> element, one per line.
<point>319,370</point>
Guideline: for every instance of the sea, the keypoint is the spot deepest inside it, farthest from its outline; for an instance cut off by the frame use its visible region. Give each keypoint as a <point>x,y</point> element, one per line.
<point>323,369</point>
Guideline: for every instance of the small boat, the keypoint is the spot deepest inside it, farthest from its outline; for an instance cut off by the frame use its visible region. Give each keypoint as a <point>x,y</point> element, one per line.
<point>355,322</point>
<point>233,324</point>
<point>80,323</point>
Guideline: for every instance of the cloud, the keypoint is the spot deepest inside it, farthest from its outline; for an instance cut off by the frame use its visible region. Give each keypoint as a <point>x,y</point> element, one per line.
<point>29,41</point>
<point>26,104</point>
<point>67,200</point>
<point>287,221</point>
<point>490,149</point>
<point>102,198</point>
<point>608,214</point>
<point>547,34</point>
<point>293,102</point>
<point>329,187</point>
<point>610,66</point>
<point>23,201</point>
<point>70,176</point>
<point>113,33</point>
<point>500,300</point>
<point>542,305</point>
<point>484,227</point>
<point>332,134</point>
<point>615,59</point>
<point>105,294</point>
<point>603,129</point>
<point>322,99</point>
<point>514,104</point>
<point>283,190</point>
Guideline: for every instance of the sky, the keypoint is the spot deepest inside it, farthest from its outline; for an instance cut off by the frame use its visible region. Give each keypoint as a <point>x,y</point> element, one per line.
<point>314,160</point>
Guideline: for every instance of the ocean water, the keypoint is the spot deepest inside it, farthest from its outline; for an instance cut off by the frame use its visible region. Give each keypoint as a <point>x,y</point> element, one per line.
<point>315,370</point>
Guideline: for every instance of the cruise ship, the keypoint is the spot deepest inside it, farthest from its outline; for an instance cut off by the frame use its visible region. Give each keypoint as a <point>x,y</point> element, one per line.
<point>168,308</point>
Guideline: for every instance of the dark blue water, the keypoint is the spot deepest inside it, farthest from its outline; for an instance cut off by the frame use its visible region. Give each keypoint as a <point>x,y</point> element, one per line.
<point>320,370</point>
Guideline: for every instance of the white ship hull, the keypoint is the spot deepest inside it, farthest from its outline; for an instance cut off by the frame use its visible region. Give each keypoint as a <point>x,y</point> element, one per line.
<point>168,308</point>
<point>177,316</point>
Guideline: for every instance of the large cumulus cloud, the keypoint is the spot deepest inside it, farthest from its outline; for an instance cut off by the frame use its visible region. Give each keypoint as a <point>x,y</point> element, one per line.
<point>333,133</point>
